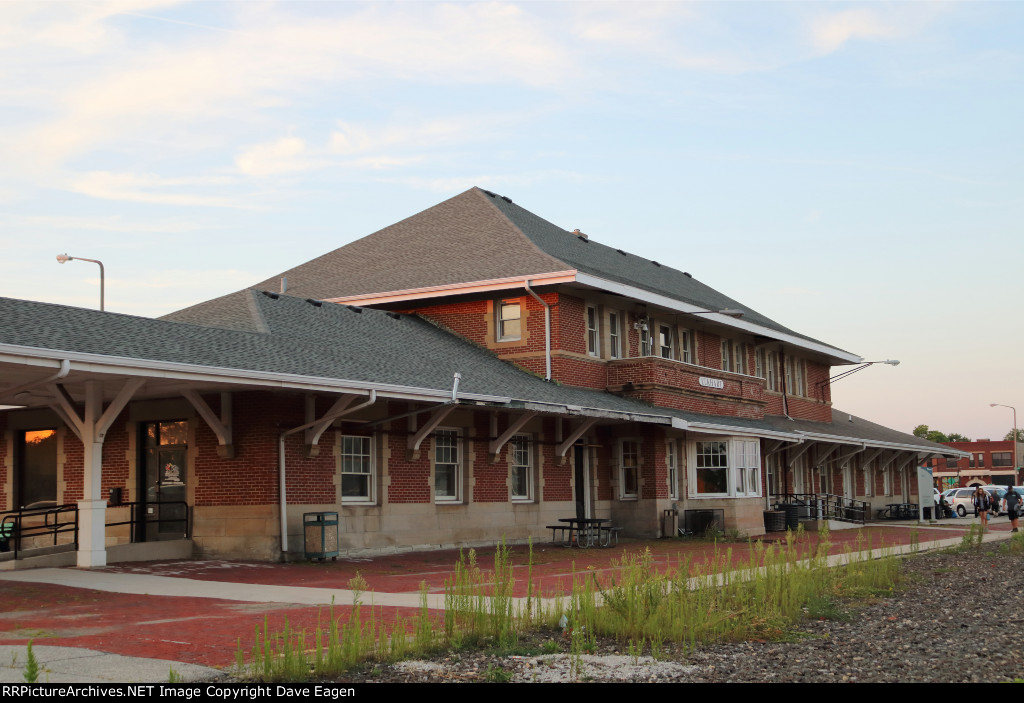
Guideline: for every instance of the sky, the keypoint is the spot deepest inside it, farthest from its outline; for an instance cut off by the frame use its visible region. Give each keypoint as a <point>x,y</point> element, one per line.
<point>851,170</point>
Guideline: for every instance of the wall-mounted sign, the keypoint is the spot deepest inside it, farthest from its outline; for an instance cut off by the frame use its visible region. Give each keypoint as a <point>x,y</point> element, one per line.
<point>711,382</point>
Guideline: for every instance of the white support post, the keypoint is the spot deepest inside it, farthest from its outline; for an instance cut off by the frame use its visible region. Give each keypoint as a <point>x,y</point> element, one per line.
<point>92,509</point>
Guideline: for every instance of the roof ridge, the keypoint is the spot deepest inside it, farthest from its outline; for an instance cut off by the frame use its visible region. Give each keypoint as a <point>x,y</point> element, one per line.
<point>488,198</point>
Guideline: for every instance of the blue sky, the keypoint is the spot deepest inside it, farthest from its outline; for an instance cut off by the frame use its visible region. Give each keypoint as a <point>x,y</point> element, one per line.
<point>852,170</point>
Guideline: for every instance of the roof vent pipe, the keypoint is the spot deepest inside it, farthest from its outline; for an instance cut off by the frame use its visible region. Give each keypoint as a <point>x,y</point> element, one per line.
<point>284,283</point>
<point>547,330</point>
<point>455,387</point>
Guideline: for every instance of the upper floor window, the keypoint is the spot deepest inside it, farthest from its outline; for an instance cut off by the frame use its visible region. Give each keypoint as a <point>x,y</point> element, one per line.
<point>796,380</point>
<point>447,466</point>
<point>593,332</point>
<point>1001,458</point>
<point>357,477</point>
<point>614,335</point>
<point>509,321</point>
<point>727,355</point>
<point>739,357</point>
<point>666,346</point>
<point>686,347</point>
<point>646,340</point>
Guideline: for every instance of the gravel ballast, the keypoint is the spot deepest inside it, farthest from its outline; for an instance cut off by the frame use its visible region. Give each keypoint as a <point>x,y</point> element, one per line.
<point>956,620</point>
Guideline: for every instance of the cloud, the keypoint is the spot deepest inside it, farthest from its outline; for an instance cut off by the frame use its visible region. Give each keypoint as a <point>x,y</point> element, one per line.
<point>147,188</point>
<point>831,32</point>
<point>284,155</point>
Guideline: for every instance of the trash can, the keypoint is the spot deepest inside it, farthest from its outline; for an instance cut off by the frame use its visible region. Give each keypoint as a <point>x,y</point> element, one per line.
<point>320,531</point>
<point>792,515</point>
<point>774,520</point>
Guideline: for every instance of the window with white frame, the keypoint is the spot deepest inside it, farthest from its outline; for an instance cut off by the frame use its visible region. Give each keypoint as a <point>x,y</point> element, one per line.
<point>747,466</point>
<point>666,342</point>
<point>672,465</point>
<point>615,335</point>
<point>869,484</point>
<point>629,468</point>
<point>509,321</point>
<point>773,465</point>
<point>740,358</point>
<point>447,466</point>
<point>593,332</point>
<point>686,347</point>
<point>886,481</point>
<point>729,467</point>
<point>771,370</point>
<point>646,340</point>
<point>798,467</point>
<point>795,377</point>
<point>726,347</point>
<point>520,449</point>
<point>357,477</point>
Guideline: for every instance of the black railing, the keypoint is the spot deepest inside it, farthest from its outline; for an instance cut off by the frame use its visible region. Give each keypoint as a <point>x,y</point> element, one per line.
<point>140,522</point>
<point>16,525</point>
<point>825,506</point>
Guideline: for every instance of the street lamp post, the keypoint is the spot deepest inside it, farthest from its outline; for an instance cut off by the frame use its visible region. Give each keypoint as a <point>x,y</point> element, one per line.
<point>1013,437</point>
<point>64,258</point>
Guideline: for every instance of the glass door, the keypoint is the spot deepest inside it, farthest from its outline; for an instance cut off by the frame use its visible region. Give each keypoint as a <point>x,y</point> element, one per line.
<point>163,493</point>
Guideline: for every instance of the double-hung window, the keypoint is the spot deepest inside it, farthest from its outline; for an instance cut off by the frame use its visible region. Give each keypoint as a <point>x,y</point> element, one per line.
<point>357,478</point>
<point>509,321</point>
<point>740,358</point>
<point>725,468</point>
<point>521,454</point>
<point>773,466</point>
<point>614,335</point>
<point>666,342</point>
<point>672,465</point>
<point>686,347</point>
<point>727,359</point>
<point>795,380</point>
<point>629,468</point>
<point>593,332</point>
<point>447,466</point>
<point>1000,459</point>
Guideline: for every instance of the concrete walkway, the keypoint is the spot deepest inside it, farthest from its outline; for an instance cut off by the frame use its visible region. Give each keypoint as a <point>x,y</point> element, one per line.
<point>69,664</point>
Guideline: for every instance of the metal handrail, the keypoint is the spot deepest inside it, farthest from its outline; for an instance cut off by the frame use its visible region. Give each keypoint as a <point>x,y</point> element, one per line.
<point>827,506</point>
<point>12,524</point>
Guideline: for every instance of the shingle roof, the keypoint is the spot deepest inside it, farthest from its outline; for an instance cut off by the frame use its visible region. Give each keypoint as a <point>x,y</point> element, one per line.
<point>290,335</point>
<point>480,236</point>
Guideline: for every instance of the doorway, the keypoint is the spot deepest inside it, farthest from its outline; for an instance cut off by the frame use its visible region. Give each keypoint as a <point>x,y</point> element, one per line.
<point>163,482</point>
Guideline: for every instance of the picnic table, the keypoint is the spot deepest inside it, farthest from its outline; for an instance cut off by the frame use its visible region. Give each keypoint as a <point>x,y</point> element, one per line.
<point>899,511</point>
<point>585,532</point>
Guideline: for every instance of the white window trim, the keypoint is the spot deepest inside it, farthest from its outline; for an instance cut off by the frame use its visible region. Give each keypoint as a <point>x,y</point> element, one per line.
<point>370,499</point>
<point>738,450</point>
<point>615,334</point>
<point>622,468</point>
<point>530,461</point>
<point>593,333</point>
<point>499,320</point>
<point>459,467</point>
<point>685,348</point>
<point>672,468</point>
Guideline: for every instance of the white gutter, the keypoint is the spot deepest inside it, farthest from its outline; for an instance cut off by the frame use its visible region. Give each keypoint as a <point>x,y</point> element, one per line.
<point>493,284</point>
<point>680,306</point>
<point>282,488</point>
<point>547,331</point>
<point>714,428</point>
<point>838,439</point>
<point>65,369</point>
<point>127,366</point>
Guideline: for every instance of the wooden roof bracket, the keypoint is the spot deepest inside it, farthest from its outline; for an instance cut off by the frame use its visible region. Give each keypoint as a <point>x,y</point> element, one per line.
<point>496,445</point>
<point>584,426</point>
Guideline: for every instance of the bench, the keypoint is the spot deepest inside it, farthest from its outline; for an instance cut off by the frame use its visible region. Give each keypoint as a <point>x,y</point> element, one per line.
<point>563,529</point>
<point>605,535</point>
<point>6,535</point>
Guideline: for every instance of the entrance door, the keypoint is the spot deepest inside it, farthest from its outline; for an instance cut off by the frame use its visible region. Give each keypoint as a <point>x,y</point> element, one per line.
<point>163,489</point>
<point>581,477</point>
<point>37,469</point>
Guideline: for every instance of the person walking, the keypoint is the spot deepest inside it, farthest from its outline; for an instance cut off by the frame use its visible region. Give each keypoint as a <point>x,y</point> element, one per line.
<point>1013,504</point>
<point>981,505</point>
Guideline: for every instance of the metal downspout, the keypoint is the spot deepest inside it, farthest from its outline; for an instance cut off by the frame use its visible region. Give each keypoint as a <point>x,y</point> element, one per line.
<point>281,462</point>
<point>65,369</point>
<point>547,331</point>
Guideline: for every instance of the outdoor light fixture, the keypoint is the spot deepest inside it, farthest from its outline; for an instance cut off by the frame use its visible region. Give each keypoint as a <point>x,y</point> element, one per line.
<point>64,258</point>
<point>731,312</point>
<point>890,362</point>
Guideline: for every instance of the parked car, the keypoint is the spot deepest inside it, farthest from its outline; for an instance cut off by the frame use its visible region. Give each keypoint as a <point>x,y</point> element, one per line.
<point>960,500</point>
<point>996,493</point>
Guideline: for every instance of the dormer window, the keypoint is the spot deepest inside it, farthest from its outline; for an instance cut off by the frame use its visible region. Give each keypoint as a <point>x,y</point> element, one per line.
<point>509,321</point>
